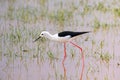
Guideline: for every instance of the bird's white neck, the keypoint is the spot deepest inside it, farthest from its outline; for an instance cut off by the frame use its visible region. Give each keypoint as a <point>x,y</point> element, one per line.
<point>49,36</point>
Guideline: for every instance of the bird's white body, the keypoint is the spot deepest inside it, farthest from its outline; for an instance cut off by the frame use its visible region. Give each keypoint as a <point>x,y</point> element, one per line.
<point>61,39</point>
<point>55,37</point>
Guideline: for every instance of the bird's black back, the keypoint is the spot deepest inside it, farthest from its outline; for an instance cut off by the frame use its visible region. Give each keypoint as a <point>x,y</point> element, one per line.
<point>72,34</point>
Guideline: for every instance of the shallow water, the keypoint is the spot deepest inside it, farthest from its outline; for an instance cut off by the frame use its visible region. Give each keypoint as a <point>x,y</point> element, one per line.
<point>22,21</point>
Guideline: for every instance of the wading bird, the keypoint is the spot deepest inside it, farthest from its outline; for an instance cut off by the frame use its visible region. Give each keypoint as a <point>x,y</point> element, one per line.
<point>65,36</point>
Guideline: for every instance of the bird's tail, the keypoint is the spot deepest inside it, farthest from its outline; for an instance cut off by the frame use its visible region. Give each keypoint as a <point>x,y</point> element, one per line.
<point>80,33</point>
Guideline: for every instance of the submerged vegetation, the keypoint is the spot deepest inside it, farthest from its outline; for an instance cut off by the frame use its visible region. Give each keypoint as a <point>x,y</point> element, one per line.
<point>61,16</point>
<point>116,12</point>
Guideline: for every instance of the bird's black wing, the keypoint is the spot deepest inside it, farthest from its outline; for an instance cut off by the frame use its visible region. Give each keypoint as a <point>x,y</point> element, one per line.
<point>70,33</point>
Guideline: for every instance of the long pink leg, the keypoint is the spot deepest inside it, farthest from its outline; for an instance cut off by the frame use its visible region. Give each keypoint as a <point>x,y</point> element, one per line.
<point>82,59</point>
<point>64,61</point>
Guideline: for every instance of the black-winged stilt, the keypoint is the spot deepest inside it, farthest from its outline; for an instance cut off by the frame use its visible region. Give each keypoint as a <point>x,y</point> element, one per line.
<point>65,36</point>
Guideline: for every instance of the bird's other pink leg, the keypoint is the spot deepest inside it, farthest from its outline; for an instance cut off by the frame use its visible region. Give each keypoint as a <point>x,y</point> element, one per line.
<point>81,75</point>
<point>65,55</point>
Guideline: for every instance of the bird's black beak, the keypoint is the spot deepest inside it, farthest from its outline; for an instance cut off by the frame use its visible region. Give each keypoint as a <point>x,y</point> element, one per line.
<point>37,39</point>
